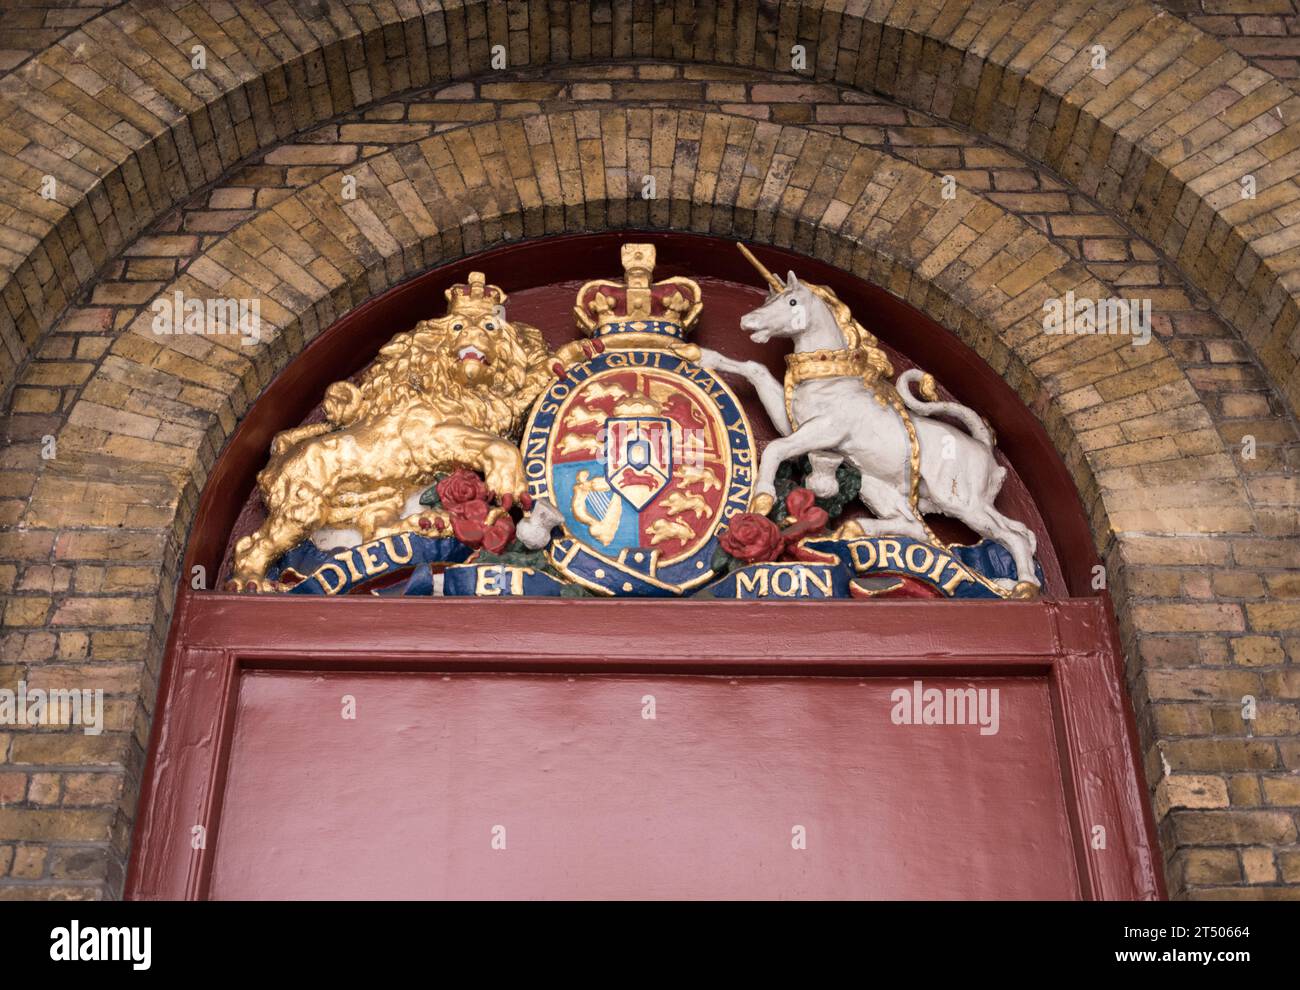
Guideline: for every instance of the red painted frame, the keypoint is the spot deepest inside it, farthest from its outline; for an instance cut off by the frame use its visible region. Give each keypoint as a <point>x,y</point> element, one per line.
<point>214,637</point>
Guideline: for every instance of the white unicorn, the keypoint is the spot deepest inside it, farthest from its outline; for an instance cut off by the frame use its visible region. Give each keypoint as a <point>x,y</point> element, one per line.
<point>836,404</point>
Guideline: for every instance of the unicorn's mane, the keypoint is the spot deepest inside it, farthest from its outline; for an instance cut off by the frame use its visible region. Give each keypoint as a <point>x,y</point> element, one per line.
<point>854,333</point>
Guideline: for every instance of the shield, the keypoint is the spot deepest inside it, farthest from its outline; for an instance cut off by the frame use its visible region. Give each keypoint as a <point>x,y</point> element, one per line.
<point>638,457</point>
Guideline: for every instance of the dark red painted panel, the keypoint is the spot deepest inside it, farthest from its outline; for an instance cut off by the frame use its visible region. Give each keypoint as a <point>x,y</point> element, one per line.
<point>598,802</point>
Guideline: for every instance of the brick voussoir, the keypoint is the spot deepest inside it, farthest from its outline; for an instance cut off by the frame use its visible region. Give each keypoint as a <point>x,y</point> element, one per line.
<point>319,195</point>
<point>364,218</point>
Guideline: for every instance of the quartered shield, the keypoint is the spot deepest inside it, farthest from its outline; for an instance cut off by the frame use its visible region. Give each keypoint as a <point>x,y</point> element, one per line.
<point>646,457</point>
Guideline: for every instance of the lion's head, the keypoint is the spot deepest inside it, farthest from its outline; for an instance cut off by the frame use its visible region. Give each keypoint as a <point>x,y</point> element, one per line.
<point>474,364</point>
<point>478,348</point>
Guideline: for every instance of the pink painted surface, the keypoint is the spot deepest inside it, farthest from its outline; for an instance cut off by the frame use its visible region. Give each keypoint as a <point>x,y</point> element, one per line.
<point>598,802</point>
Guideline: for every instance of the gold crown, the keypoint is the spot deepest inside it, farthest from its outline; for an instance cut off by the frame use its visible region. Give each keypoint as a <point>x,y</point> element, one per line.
<point>475,296</point>
<point>638,305</point>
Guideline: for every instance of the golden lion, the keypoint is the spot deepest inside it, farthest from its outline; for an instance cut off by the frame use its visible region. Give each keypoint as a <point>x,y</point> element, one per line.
<point>444,395</point>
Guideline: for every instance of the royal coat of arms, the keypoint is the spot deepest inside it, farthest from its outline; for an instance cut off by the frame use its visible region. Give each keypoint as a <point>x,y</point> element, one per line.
<point>646,454</point>
<point>470,459</point>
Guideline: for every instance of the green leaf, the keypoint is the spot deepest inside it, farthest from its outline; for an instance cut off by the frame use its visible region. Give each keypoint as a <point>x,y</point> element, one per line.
<point>788,477</point>
<point>793,474</point>
<point>518,555</point>
<point>723,562</point>
<point>429,496</point>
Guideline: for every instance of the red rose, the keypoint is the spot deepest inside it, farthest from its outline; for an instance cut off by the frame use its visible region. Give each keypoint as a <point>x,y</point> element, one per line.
<point>799,501</point>
<point>498,535</point>
<point>751,537</point>
<point>806,517</point>
<point>461,486</point>
<point>469,521</point>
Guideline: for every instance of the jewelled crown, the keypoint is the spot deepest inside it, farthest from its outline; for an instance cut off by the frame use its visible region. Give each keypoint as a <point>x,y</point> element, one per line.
<point>638,305</point>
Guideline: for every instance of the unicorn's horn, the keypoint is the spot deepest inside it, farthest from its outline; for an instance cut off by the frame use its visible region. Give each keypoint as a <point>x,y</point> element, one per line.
<point>776,284</point>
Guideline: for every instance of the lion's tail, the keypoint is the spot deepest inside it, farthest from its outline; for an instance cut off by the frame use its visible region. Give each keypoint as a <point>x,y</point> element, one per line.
<point>344,403</point>
<point>968,417</point>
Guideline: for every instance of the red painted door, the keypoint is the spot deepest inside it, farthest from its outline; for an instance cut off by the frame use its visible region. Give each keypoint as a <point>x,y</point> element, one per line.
<point>555,786</point>
<point>484,763</point>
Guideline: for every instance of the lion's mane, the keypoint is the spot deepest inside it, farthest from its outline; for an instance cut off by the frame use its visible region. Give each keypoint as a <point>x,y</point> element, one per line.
<point>417,368</point>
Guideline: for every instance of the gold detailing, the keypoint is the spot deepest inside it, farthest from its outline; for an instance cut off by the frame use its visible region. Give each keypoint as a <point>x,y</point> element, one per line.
<point>850,530</point>
<point>700,474</point>
<point>475,297</point>
<point>582,416</point>
<point>605,528</point>
<point>861,358</point>
<point>842,363</point>
<point>449,393</point>
<point>927,388</point>
<point>913,463</point>
<point>637,405</point>
<point>571,443</point>
<point>574,352</point>
<point>679,501</point>
<point>806,366</point>
<point>703,465</point>
<point>454,391</point>
<point>628,340</point>
<point>600,390</point>
<point>856,336</point>
<point>439,524</point>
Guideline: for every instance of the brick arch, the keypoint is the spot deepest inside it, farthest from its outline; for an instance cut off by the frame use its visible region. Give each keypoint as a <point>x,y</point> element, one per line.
<point>141,439</point>
<point>1176,120</point>
<point>1162,136</point>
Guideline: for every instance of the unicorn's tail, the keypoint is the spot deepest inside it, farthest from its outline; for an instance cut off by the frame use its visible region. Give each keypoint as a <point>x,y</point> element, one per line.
<point>975,426</point>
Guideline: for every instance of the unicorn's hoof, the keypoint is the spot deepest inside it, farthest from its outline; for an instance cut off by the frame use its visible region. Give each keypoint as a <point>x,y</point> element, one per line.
<point>763,503</point>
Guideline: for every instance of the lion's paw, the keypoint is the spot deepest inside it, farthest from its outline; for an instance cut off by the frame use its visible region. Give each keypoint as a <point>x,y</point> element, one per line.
<point>506,483</point>
<point>575,352</point>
